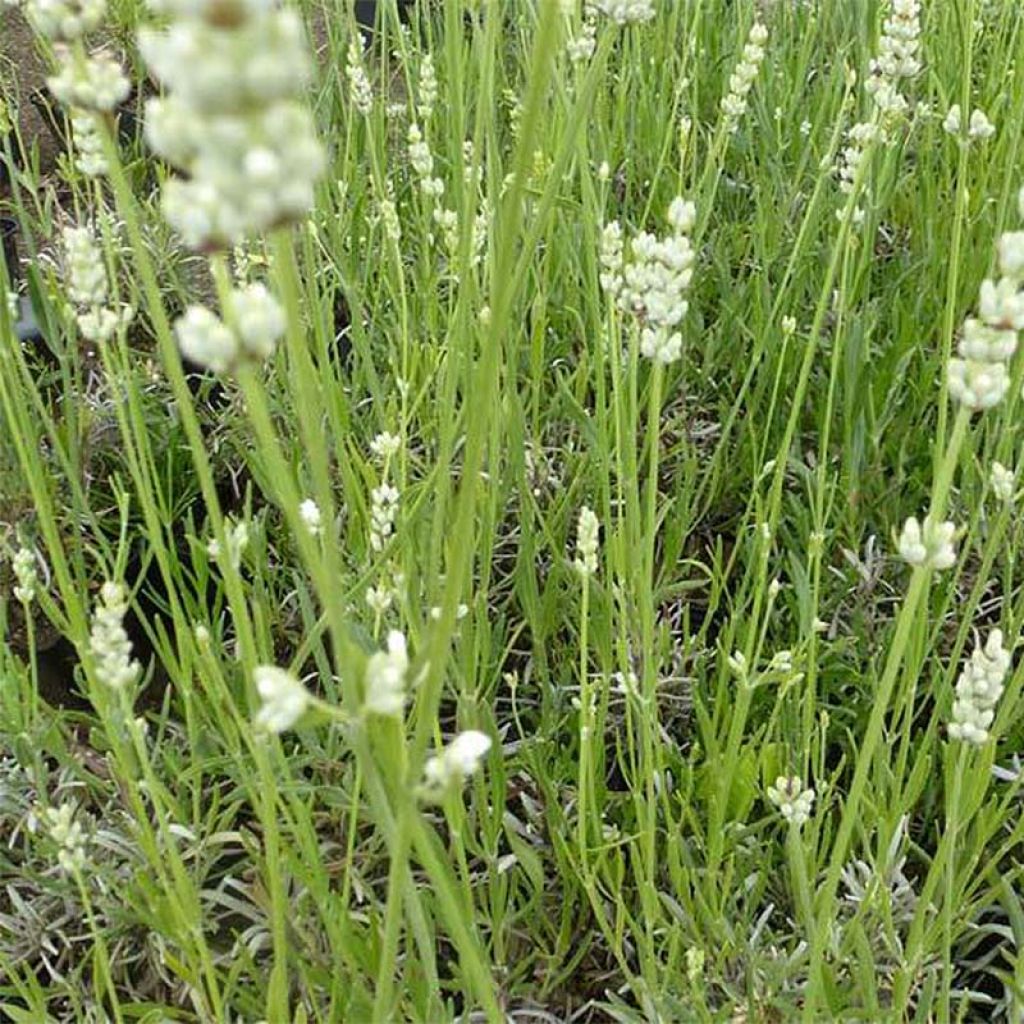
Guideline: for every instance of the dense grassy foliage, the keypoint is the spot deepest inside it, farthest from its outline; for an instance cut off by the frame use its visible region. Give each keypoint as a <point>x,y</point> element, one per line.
<point>621,852</point>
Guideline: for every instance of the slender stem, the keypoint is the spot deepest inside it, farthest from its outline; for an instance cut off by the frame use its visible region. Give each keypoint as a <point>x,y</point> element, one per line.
<point>876,723</point>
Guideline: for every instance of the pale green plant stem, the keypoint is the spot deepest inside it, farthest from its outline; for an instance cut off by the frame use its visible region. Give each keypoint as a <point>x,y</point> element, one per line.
<point>734,740</point>
<point>942,869</point>
<point>102,980</point>
<point>960,208</point>
<point>797,858</point>
<point>583,784</point>
<point>905,623</point>
<point>950,836</point>
<point>397,873</point>
<point>32,717</point>
<point>817,546</point>
<point>646,596</point>
<point>128,208</point>
<point>163,855</point>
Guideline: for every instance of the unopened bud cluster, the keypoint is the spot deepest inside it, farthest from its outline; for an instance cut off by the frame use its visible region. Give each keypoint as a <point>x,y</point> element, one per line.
<point>652,285</point>
<point>108,642</point>
<point>456,762</point>
<point>734,103</point>
<point>90,159</point>
<point>25,574</point>
<point>385,677</point>
<point>897,56</point>
<point>978,690</point>
<point>586,542</point>
<point>792,799</point>
<point>95,82</point>
<point>88,287</point>
<point>980,377</point>
<point>896,62</point>
<point>626,12</point>
<point>68,836</point>
<point>359,89</point>
<point>256,322</point>
<point>232,119</point>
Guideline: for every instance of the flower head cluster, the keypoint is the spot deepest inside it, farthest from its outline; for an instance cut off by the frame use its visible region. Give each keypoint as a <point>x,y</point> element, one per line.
<point>896,62</point>
<point>88,83</point>
<point>897,56</point>
<point>626,12</point>
<point>385,446</point>
<point>284,699</point>
<point>793,801</point>
<point>312,519</point>
<point>88,286</point>
<point>580,48</point>
<point>69,837</point>
<point>64,21</point>
<point>90,159</point>
<point>611,259</point>
<point>25,574</point>
<point>383,509</point>
<point>232,119</point>
<point>1003,482</point>
<point>980,377</point>
<point>978,690</point>
<point>979,127</point>
<point>586,542</point>
<point>858,141</point>
<point>426,93</point>
<point>456,762</point>
<point>422,161</point>
<point>652,286</point>
<point>359,88</point>
<point>97,83</point>
<point>385,677</point>
<point>86,277</point>
<point>928,544</point>
<point>734,103</point>
<point>108,642</point>
<point>236,540</point>
<point>256,322</point>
